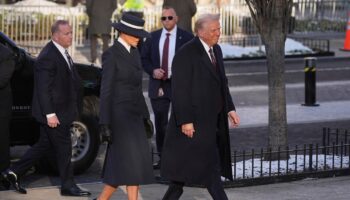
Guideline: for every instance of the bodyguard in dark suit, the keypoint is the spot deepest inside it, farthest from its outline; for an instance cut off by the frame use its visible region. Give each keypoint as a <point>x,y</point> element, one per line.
<point>157,56</point>
<point>7,67</point>
<point>196,148</point>
<point>56,86</point>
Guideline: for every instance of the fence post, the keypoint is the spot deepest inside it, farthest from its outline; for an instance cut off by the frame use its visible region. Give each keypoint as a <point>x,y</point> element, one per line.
<point>324,139</point>
<point>310,81</point>
<point>310,156</point>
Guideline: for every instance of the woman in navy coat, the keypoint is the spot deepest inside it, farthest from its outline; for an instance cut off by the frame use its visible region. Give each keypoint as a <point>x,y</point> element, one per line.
<point>122,111</point>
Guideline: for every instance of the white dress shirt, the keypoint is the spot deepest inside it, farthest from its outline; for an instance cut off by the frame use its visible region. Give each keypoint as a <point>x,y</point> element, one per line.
<point>172,44</point>
<point>62,50</point>
<point>206,47</point>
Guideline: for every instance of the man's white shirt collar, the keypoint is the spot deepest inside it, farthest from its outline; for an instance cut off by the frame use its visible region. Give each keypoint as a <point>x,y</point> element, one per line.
<point>206,47</point>
<point>59,47</point>
<point>172,32</point>
<point>62,50</point>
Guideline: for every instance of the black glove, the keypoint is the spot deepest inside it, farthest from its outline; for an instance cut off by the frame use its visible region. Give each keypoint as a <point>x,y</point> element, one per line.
<point>149,128</point>
<point>105,134</point>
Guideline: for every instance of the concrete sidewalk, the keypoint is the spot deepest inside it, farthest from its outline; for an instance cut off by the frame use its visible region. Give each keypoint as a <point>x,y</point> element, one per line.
<point>337,188</point>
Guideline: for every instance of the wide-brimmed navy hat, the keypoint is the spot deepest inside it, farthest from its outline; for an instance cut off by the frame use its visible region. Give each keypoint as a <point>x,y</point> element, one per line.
<point>131,25</point>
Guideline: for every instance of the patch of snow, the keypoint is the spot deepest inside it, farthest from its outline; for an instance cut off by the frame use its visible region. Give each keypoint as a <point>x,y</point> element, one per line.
<point>295,164</point>
<point>292,47</point>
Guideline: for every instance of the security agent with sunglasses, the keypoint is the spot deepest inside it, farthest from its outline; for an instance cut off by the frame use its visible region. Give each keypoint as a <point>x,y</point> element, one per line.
<point>157,55</point>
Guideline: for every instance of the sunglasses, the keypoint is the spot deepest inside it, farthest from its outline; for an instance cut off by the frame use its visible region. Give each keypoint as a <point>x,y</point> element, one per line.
<point>168,17</point>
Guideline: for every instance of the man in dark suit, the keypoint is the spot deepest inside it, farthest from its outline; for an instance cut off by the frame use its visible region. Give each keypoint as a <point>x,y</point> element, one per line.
<point>7,67</point>
<point>54,106</point>
<point>196,147</point>
<point>185,9</point>
<point>157,55</point>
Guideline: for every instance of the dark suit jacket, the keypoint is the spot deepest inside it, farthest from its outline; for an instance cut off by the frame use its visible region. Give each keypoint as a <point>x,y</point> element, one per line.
<point>200,95</point>
<point>7,67</point>
<point>56,87</point>
<point>151,59</point>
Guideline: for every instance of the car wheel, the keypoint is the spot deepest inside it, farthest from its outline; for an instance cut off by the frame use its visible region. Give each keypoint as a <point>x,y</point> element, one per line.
<point>85,144</point>
<point>85,141</point>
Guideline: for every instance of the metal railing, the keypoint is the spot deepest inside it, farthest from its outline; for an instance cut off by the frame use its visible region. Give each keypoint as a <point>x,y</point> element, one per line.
<point>29,26</point>
<point>332,10</point>
<point>253,167</point>
<point>317,45</point>
<point>335,136</point>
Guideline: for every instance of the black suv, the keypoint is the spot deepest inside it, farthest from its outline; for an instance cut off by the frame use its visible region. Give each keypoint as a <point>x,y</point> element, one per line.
<point>25,131</point>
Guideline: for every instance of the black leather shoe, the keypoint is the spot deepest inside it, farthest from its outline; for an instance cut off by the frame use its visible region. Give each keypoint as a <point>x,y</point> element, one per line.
<point>12,180</point>
<point>74,191</point>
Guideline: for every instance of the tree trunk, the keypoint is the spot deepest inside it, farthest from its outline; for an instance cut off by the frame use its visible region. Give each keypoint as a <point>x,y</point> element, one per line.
<point>271,18</point>
<point>274,48</point>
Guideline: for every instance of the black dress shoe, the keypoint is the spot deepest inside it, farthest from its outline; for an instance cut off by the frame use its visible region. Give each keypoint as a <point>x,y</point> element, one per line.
<point>12,180</point>
<point>74,191</point>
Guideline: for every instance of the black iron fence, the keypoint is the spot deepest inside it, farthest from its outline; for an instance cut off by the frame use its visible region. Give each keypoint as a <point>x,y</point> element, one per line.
<point>312,160</point>
<point>317,45</point>
<point>335,136</point>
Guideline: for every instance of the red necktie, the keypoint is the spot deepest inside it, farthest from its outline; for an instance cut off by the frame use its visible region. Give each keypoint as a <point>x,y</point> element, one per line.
<point>165,56</point>
<point>212,57</point>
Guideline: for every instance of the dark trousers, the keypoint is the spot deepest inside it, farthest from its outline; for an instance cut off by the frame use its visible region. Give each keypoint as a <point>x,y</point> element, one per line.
<point>57,139</point>
<point>160,108</point>
<point>4,143</point>
<point>214,187</point>
<point>93,45</point>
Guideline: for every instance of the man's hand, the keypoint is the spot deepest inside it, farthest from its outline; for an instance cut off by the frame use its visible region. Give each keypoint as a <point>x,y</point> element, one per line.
<point>158,73</point>
<point>105,134</point>
<point>234,119</point>
<point>188,129</point>
<point>53,121</point>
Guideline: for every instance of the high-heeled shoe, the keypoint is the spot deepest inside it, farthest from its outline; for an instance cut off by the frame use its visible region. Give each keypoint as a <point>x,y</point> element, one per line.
<point>10,177</point>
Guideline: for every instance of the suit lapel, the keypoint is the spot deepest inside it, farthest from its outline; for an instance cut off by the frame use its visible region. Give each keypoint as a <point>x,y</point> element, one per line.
<point>62,60</point>
<point>219,61</point>
<point>156,44</point>
<point>178,42</point>
<point>206,60</point>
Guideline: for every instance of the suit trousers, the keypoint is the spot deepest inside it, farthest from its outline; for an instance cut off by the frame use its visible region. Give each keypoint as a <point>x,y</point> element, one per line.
<point>160,108</point>
<point>93,45</point>
<point>4,143</point>
<point>214,187</point>
<point>57,139</point>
